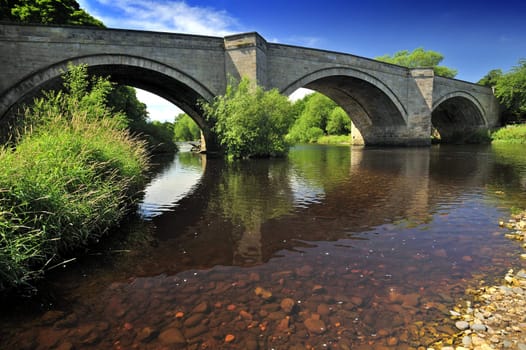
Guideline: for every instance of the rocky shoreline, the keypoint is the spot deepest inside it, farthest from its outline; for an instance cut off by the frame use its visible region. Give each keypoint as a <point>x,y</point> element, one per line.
<point>496,316</point>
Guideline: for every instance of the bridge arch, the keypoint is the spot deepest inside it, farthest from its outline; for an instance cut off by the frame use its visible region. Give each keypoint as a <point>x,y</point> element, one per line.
<point>172,84</point>
<point>371,104</point>
<point>457,115</point>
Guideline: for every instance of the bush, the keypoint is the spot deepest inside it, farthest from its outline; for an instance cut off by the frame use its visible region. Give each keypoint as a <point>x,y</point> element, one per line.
<point>510,134</point>
<point>249,121</point>
<point>69,179</point>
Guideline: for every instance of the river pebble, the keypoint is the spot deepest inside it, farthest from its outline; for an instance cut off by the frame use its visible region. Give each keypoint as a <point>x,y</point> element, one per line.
<point>495,318</point>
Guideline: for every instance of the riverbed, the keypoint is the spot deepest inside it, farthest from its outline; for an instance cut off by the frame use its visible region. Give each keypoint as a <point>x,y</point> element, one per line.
<point>333,247</point>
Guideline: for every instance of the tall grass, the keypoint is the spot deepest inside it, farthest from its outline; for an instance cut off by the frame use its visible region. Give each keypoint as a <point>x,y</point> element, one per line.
<point>510,134</point>
<point>69,177</point>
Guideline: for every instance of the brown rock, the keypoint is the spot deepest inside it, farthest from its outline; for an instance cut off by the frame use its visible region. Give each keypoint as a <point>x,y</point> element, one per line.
<point>323,309</point>
<point>51,316</point>
<point>245,315</point>
<point>172,336</point>
<point>147,334</point>
<point>392,341</point>
<point>65,346</point>
<point>201,308</point>
<point>287,305</point>
<point>195,331</point>
<point>193,320</point>
<point>283,325</point>
<point>315,326</point>
<point>67,322</point>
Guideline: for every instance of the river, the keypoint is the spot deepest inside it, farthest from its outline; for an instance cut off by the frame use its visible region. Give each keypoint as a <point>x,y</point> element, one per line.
<point>333,247</point>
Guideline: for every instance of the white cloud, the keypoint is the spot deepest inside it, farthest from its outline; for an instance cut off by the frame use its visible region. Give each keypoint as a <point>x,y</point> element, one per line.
<point>159,15</point>
<point>158,108</point>
<point>299,94</point>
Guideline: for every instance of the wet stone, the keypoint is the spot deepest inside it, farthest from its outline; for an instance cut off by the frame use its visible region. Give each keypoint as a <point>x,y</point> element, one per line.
<point>203,307</point>
<point>193,320</point>
<point>195,331</point>
<point>172,336</point>
<point>287,305</point>
<point>315,326</point>
<point>462,325</point>
<point>67,322</point>
<point>51,316</point>
<point>147,334</point>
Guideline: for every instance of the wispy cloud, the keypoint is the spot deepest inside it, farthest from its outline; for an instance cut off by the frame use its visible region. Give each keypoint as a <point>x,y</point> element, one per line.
<point>159,15</point>
<point>308,41</point>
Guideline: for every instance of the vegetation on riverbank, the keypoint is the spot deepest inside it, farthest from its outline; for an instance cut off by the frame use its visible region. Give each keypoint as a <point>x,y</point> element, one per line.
<point>249,121</point>
<point>69,177</point>
<point>510,134</point>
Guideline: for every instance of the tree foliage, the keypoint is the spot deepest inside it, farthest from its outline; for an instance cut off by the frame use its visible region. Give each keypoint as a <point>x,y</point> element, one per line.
<point>249,121</point>
<point>420,58</point>
<point>185,128</point>
<point>510,89</point>
<point>124,99</point>
<point>318,116</point>
<point>47,12</point>
<point>491,78</point>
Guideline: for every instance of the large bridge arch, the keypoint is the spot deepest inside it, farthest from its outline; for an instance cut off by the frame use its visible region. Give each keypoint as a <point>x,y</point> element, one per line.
<point>173,85</point>
<point>370,103</point>
<point>457,115</point>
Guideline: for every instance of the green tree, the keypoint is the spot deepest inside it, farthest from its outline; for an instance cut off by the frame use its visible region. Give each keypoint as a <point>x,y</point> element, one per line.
<point>185,128</point>
<point>47,12</point>
<point>249,121</point>
<point>491,78</point>
<point>511,89</point>
<point>320,116</point>
<point>339,122</point>
<point>420,58</point>
<point>124,99</point>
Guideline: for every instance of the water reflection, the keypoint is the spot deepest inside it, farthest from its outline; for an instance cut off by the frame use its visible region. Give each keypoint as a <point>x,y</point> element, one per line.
<point>375,245</point>
<point>172,183</point>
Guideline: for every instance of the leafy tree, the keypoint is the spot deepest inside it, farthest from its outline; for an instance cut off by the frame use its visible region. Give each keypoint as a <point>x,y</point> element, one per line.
<point>491,78</point>
<point>185,128</point>
<point>249,121</point>
<point>511,89</point>
<point>420,58</point>
<point>47,12</point>
<point>320,116</point>
<point>339,122</point>
<point>124,99</point>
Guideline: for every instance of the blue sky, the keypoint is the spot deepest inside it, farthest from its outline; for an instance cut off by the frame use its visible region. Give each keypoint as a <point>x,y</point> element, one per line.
<point>473,36</point>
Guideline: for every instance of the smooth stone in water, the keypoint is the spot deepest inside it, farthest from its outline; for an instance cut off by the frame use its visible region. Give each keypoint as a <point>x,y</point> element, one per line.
<point>462,325</point>
<point>172,336</point>
<point>478,327</point>
<point>315,326</point>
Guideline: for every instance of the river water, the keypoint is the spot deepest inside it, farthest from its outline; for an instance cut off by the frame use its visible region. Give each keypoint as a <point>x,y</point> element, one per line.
<point>331,248</point>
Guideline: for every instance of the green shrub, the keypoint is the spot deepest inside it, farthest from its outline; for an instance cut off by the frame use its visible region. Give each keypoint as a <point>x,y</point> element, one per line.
<point>249,121</point>
<point>510,134</point>
<point>69,179</point>
<point>335,139</point>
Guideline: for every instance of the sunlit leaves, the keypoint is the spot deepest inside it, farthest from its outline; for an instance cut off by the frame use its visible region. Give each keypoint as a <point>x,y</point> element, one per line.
<point>249,121</point>
<point>511,89</point>
<point>420,58</point>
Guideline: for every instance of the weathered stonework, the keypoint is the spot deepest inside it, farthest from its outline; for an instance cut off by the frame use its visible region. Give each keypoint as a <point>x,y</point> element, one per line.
<point>389,104</point>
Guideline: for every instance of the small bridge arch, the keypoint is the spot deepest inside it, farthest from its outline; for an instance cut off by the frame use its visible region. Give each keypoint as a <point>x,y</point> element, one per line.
<point>173,85</point>
<point>457,115</point>
<point>370,103</point>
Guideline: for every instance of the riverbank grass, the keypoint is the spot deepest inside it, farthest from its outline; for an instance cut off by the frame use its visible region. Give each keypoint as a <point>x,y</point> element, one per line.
<point>334,140</point>
<point>64,183</point>
<point>510,134</point>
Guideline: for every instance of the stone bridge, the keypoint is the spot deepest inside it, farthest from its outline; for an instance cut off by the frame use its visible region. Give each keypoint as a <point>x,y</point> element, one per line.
<point>388,104</point>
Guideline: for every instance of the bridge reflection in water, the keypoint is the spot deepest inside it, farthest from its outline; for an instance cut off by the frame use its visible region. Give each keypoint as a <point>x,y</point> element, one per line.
<point>373,247</point>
